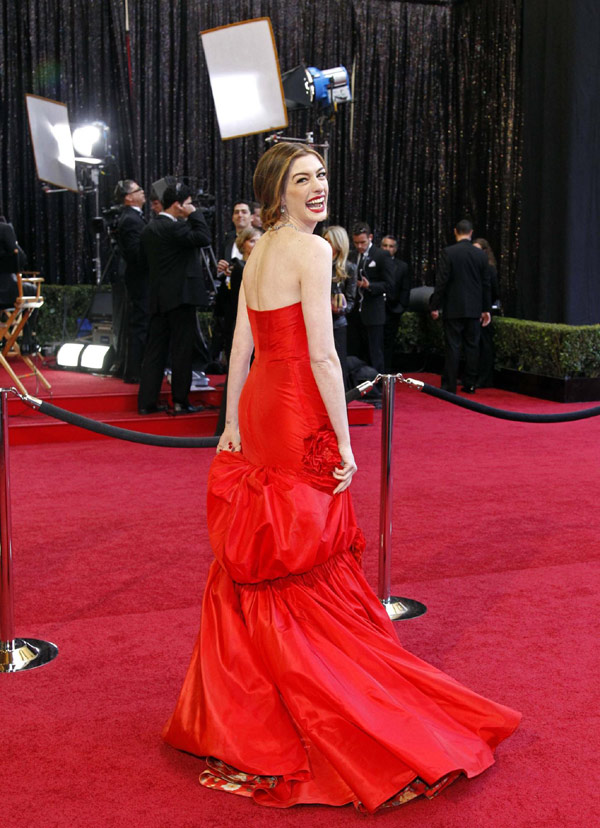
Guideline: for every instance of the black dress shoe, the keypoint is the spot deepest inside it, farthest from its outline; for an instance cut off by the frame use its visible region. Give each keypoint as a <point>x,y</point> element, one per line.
<point>153,409</point>
<point>29,348</point>
<point>468,389</point>
<point>179,408</point>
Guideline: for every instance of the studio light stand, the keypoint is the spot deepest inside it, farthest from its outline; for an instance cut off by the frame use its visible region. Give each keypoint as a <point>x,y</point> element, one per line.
<point>277,137</point>
<point>90,179</point>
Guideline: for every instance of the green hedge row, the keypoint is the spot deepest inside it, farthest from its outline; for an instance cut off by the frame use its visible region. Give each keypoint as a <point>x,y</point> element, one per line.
<point>63,306</point>
<point>551,350</point>
<point>543,348</point>
<point>532,347</point>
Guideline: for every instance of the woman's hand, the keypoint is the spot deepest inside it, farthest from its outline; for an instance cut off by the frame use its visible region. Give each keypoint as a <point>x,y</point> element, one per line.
<point>230,440</point>
<point>346,472</point>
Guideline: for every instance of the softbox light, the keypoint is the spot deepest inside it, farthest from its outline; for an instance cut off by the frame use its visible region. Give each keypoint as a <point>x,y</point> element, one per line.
<point>97,358</point>
<point>244,77</point>
<point>52,142</point>
<point>69,354</point>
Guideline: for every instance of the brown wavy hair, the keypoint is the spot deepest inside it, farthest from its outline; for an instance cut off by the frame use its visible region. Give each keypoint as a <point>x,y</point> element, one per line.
<point>270,177</point>
<point>485,246</point>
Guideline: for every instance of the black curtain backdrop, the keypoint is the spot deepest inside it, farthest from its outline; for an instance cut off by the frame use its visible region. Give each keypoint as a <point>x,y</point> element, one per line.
<point>433,135</point>
<point>558,268</point>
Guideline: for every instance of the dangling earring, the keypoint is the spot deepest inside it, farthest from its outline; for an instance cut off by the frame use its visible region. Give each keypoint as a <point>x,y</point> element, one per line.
<point>283,209</point>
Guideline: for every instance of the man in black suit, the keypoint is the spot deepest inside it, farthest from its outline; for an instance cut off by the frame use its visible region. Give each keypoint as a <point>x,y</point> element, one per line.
<point>12,261</point>
<point>129,234</point>
<point>9,250</point>
<point>241,219</point>
<point>375,274</point>
<point>462,293</point>
<point>396,301</point>
<point>171,245</point>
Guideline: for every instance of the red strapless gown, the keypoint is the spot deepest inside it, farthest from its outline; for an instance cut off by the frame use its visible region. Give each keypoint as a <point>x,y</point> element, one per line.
<point>298,689</point>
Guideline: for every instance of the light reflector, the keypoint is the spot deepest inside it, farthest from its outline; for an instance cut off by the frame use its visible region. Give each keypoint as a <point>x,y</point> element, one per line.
<point>52,142</point>
<point>244,76</point>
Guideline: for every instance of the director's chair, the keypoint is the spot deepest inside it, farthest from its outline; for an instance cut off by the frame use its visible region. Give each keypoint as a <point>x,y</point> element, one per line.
<point>12,322</point>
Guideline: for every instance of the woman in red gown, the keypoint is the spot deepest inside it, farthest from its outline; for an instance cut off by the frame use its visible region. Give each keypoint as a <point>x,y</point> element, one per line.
<point>298,690</point>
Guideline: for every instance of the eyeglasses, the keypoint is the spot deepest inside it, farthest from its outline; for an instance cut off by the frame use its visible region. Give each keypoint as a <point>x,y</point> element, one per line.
<point>137,190</point>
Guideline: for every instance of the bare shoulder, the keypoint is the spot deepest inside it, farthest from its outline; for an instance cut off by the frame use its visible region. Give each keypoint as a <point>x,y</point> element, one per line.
<point>317,243</point>
<point>315,247</point>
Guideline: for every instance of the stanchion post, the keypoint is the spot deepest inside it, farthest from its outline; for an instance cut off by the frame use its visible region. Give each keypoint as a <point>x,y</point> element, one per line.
<point>396,608</point>
<point>386,487</point>
<point>7,633</point>
<point>16,654</point>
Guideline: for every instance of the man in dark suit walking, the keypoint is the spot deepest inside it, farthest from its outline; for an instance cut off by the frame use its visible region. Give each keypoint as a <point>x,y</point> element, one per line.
<point>396,301</point>
<point>375,274</point>
<point>129,235</point>
<point>171,246</point>
<point>462,292</point>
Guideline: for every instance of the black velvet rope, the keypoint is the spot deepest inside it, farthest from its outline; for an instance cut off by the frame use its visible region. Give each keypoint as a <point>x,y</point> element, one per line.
<point>125,433</point>
<point>211,442</point>
<point>518,416</point>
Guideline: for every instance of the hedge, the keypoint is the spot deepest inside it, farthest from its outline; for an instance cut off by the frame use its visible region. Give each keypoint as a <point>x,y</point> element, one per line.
<point>544,348</point>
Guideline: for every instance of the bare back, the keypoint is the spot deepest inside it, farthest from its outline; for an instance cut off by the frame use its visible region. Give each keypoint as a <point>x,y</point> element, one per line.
<point>275,269</point>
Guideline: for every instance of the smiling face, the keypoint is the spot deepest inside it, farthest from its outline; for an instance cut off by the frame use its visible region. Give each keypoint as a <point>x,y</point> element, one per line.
<point>241,216</point>
<point>305,193</point>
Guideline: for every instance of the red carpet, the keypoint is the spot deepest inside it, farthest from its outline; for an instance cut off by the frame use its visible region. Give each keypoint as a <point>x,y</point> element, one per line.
<point>496,529</point>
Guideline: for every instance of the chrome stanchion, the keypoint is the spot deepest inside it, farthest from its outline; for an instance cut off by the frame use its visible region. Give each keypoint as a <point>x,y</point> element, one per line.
<point>396,608</point>
<point>15,653</point>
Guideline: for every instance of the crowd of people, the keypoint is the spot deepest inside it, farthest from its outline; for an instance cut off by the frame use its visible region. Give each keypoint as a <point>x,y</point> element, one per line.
<point>370,291</point>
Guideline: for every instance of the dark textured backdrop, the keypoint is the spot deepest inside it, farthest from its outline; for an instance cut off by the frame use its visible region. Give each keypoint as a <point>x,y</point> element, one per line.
<point>436,123</point>
<point>559,265</point>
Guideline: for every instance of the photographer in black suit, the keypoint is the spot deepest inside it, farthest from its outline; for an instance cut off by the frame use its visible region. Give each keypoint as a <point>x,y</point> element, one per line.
<point>129,235</point>
<point>462,293</point>
<point>171,245</point>
<point>374,280</point>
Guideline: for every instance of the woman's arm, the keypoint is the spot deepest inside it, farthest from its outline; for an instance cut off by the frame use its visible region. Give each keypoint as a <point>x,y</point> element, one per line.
<point>315,290</point>
<point>239,364</point>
